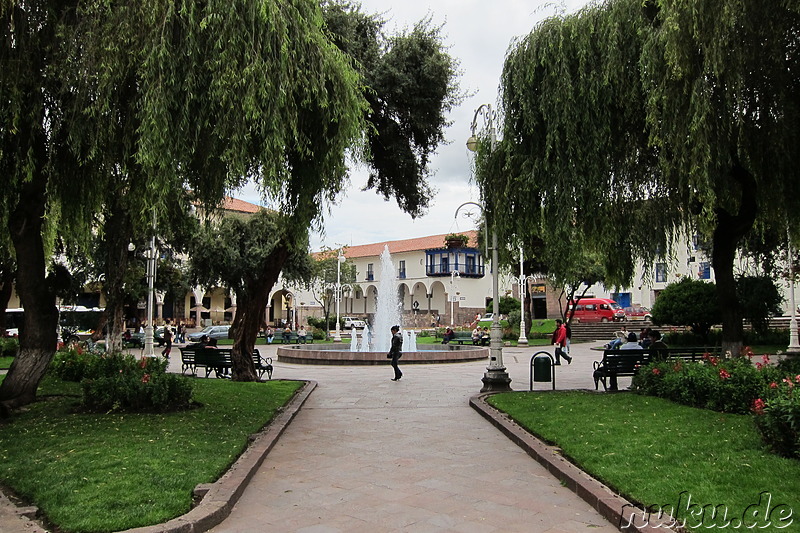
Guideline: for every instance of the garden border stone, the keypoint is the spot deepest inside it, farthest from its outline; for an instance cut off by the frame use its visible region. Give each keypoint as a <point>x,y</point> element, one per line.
<point>619,511</point>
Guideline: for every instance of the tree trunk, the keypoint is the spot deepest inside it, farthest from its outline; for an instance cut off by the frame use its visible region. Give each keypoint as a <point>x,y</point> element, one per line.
<point>250,314</point>
<point>728,234</point>
<point>39,336</point>
<point>118,234</point>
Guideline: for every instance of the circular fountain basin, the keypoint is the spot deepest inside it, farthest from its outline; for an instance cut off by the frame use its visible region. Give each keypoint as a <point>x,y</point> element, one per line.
<point>340,354</point>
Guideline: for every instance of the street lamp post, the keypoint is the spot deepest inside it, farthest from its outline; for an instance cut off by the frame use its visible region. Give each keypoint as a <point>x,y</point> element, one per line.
<point>523,338</point>
<point>149,350</point>
<point>453,295</point>
<point>337,337</point>
<point>794,345</point>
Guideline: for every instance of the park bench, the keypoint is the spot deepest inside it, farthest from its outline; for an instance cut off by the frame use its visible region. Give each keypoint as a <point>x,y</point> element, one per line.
<point>618,362</point>
<point>136,340</point>
<point>218,360</point>
<point>462,337</point>
<point>282,337</point>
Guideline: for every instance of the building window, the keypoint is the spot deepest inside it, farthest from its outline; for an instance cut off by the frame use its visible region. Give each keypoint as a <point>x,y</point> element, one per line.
<point>445,265</point>
<point>370,273</point>
<point>705,270</point>
<point>401,271</point>
<point>661,272</point>
<point>469,265</point>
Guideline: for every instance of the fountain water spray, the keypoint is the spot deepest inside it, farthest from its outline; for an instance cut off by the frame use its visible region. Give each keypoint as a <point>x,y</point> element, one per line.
<point>387,306</point>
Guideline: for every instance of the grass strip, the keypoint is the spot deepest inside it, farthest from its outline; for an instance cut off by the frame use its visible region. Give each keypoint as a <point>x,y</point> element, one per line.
<point>658,453</point>
<point>107,472</point>
<point>5,362</point>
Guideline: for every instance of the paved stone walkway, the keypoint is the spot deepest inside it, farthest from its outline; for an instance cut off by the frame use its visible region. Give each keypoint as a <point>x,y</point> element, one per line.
<point>368,454</point>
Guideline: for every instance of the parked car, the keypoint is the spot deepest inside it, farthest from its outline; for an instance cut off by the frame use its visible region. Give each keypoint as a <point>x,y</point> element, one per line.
<point>597,310</point>
<point>353,322</point>
<point>213,332</point>
<point>637,312</point>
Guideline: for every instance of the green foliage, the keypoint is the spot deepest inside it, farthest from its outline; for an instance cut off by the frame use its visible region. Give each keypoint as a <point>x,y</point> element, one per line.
<point>8,346</point>
<point>778,418</point>
<point>726,385</point>
<point>119,382</point>
<point>775,337</point>
<point>628,125</point>
<point>760,299</point>
<point>507,305</point>
<point>688,303</point>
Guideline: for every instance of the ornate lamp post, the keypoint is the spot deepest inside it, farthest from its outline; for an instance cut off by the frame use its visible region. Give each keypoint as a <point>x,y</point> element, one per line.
<point>523,338</point>
<point>151,279</point>
<point>495,378</point>
<point>337,337</point>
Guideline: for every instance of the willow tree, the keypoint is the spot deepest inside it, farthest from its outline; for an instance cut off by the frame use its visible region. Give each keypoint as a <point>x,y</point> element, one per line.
<point>631,124</point>
<point>223,91</point>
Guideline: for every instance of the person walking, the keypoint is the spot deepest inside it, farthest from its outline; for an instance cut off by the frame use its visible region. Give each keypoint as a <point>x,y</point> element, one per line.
<point>559,340</point>
<point>167,341</point>
<point>395,352</point>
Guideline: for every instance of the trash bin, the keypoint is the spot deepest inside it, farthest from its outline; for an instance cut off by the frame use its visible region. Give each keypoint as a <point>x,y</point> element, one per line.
<point>543,369</point>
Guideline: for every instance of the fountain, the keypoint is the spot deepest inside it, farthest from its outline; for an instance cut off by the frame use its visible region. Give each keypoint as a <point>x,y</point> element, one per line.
<point>375,343</point>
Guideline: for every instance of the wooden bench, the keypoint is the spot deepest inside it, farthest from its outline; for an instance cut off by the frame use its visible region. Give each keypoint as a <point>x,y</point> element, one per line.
<point>218,360</point>
<point>618,362</point>
<point>136,340</point>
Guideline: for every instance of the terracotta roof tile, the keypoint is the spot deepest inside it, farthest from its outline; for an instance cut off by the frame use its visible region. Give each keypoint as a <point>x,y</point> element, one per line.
<point>406,245</point>
<point>234,204</point>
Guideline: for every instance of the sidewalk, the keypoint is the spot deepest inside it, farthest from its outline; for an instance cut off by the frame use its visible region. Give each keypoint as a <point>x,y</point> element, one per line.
<point>368,454</point>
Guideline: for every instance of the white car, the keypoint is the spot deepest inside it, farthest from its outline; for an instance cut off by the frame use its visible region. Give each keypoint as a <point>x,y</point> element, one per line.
<point>351,322</point>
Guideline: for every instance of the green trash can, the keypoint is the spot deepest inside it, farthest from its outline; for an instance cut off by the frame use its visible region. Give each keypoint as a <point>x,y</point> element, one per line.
<point>543,369</point>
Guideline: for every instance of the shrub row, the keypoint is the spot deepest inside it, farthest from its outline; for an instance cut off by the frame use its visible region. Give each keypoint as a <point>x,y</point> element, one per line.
<point>9,346</point>
<point>734,386</point>
<point>120,382</point>
<point>714,338</point>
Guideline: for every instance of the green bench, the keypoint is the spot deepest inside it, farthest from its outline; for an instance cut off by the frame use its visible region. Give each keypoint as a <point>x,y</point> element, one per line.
<point>616,362</point>
<point>291,338</point>
<point>218,361</point>
<point>462,337</point>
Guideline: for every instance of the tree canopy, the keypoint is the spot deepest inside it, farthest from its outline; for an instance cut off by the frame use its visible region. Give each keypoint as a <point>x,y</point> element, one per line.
<point>636,124</point>
<point>204,95</point>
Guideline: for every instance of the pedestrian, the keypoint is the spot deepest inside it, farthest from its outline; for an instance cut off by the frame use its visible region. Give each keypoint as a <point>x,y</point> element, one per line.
<point>395,352</point>
<point>270,334</point>
<point>559,340</point>
<point>167,341</point>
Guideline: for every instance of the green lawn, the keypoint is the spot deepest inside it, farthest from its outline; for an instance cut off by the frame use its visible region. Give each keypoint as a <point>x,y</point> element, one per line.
<point>5,362</point>
<point>107,472</point>
<point>652,450</point>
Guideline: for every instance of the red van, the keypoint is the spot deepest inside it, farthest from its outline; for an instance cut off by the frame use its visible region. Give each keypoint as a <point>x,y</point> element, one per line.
<point>597,310</point>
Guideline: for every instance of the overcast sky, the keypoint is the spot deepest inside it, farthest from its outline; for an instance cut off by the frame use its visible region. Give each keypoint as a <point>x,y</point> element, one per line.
<point>478,35</point>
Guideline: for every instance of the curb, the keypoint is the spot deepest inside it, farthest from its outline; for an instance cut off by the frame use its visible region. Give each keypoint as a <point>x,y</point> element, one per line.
<point>625,515</point>
<point>218,498</point>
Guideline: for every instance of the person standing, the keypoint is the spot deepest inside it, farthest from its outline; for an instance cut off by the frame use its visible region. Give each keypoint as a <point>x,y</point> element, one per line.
<point>559,340</point>
<point>395,352</point>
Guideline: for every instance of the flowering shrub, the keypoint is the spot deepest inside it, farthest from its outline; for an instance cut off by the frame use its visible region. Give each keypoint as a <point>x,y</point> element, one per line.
<point>728,385</point>
<point>738,385</point>
<point>117,382</point>
<point>778,417</point>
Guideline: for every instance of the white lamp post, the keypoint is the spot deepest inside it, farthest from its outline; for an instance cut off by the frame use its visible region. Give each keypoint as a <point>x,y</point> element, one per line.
<point>523,338</point>
<point>337,337</point>
<point>453,294</point>
<point>794,345</point>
